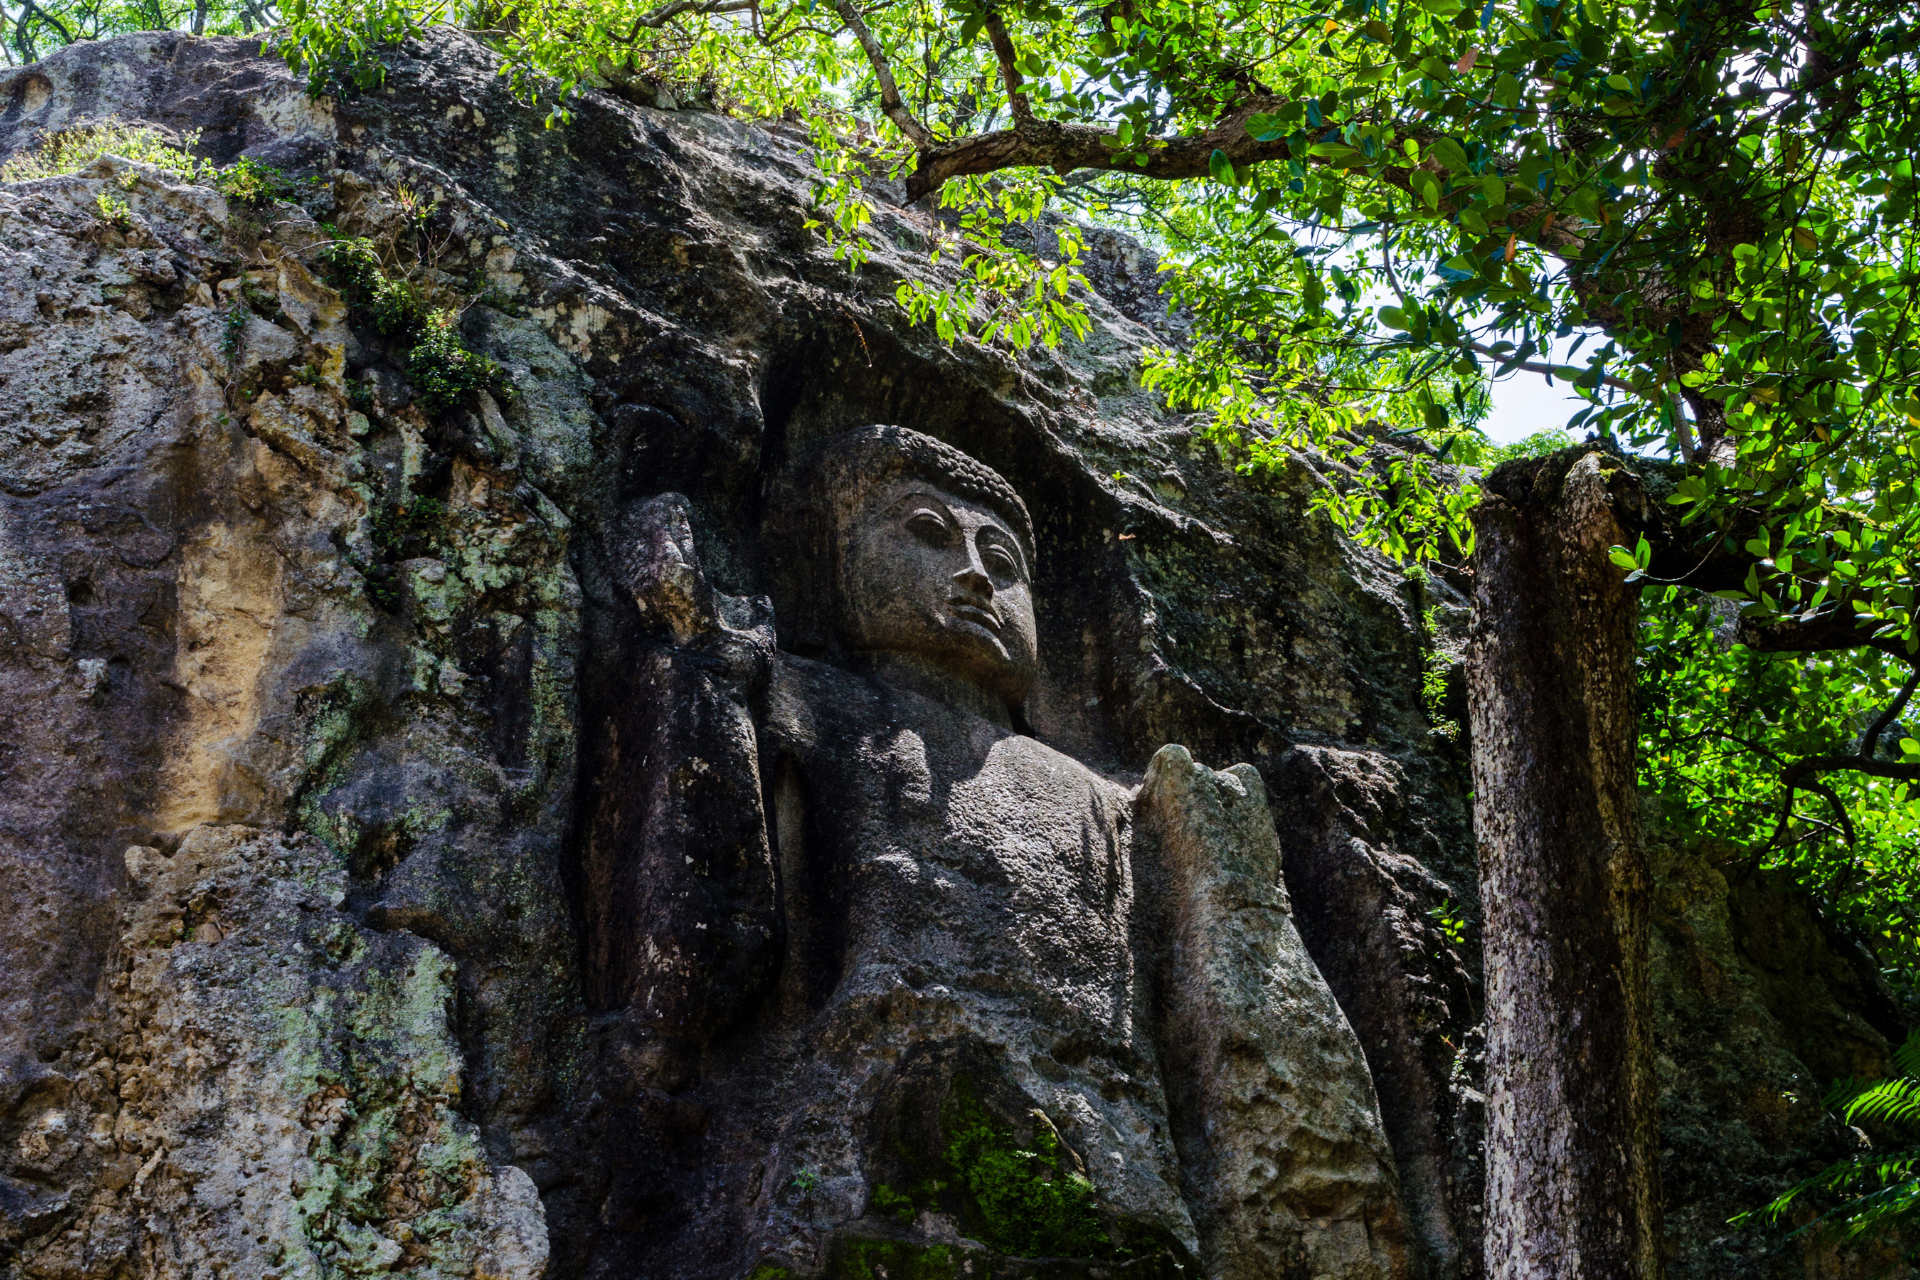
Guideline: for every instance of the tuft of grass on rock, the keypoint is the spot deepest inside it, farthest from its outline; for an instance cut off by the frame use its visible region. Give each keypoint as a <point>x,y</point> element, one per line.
<point>72,149</point>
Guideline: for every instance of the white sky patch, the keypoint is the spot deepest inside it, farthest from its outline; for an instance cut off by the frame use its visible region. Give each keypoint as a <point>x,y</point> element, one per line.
<point>1524,404</point>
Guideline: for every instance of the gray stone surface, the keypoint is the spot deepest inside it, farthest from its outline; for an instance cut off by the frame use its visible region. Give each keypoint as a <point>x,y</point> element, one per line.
<point>374,674</point>
<point>952,944</point>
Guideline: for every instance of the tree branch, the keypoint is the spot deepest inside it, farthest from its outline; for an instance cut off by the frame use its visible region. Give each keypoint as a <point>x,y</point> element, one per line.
<point>1559,371</point>
<point>668,12</point>
<point>1795,777</point>
<point>1823,764</point>
<point>1872,737</point>
<point>1009,72</point>
<point>29,9</point>
<point>1831,631</point>
<point>890,101</point>
<point>1064,147</point>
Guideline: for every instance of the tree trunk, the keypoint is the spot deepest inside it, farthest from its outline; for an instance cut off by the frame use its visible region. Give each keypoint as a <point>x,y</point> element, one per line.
<point>1572,1183</point>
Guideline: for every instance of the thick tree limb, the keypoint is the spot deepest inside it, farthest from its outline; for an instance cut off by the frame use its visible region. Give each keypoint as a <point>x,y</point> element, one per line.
<point>1826,764</point>
<point>668,12</point>
<point>891,102</point>
<point>1830,632</point>
<point>1062,147</point>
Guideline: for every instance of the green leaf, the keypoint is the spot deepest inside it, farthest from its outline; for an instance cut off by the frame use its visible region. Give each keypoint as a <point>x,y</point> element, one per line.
<point>1450,153</point>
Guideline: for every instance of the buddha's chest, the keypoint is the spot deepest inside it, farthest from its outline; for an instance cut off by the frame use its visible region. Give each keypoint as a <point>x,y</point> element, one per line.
<point>946,838</point>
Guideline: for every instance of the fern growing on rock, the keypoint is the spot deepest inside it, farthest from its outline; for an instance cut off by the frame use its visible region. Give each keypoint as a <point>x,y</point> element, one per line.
<point>1876,1189</point>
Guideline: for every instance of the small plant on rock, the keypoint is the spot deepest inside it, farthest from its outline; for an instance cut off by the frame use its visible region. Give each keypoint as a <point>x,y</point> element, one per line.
<point>353,263</point>
<point>72,149</point>
<point>1449,922</point>
<point>396,306</point>
<point>441,367</point>
<point>390,303</point>
<point>415,519</point>
<point>252,183</point>
<point>114,211</point>
<point>233,331</point>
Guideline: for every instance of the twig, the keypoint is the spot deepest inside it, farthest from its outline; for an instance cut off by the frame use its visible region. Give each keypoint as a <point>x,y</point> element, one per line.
<point>1795,778</point>
<point>1535,366</point>
<point>857,333</point>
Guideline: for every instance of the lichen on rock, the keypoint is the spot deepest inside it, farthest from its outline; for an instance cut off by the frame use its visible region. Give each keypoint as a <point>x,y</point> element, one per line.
<point>276,1091</point>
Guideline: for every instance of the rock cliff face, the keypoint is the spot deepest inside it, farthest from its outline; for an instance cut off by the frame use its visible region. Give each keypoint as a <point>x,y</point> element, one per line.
<point>316,676</point>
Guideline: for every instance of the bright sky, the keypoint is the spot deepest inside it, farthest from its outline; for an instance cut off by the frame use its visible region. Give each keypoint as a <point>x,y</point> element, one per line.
<point>1524,404</point>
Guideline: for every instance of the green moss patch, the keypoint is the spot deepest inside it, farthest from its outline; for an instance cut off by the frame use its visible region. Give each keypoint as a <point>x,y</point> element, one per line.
<point>863,1258</point>
<point>952,1136</point>
<point>1026,1201</point>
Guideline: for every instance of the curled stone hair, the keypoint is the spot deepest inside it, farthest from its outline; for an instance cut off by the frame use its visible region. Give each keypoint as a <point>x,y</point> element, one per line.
<point>811,503</point>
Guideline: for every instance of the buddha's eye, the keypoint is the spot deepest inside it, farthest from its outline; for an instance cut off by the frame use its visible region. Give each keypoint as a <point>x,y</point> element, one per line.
<point>1000,561</point>
<point>930,528</point>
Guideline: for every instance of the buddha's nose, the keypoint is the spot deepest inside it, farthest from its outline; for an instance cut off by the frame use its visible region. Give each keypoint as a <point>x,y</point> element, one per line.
<point>974,579</point>
<point>973,576</point>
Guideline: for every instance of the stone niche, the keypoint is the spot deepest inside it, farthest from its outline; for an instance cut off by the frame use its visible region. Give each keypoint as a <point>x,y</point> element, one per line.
<point>944,996</point>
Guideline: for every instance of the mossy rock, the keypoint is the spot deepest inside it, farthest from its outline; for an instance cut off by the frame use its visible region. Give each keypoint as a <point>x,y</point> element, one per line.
<point>868,1258</point>
<point>954,1136</point>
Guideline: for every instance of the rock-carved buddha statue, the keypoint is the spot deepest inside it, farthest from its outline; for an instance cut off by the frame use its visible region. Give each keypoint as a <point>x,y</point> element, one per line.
<point>891,987</point>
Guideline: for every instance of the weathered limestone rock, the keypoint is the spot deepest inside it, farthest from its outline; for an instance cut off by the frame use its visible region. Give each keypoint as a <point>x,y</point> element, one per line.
<point>1288,1121</point>
<point>276,1090</point>
<point>1745,1059</point>
<point>367,671</point>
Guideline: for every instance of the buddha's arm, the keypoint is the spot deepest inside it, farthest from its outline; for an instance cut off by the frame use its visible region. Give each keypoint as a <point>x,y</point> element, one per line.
<point>680,894</point>
<point>1272,1105</point>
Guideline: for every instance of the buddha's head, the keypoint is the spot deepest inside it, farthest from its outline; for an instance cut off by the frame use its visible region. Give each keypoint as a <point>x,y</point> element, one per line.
<point>928,555</point>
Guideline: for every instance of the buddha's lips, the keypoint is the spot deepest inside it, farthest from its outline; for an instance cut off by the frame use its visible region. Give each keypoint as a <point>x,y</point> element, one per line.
<point>973,610</point>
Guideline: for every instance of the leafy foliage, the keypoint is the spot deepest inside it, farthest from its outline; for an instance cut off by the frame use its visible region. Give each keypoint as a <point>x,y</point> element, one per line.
<point>441,367</point>
<point>1874,1190</point>
<point>30,29</point>
<point>73,149</point>
<point>1721,722</point>
<point>253,183</point>
<point>113,210</point>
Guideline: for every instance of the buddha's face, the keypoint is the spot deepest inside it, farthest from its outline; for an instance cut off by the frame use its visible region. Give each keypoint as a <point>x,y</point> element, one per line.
<point>943,578</point>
